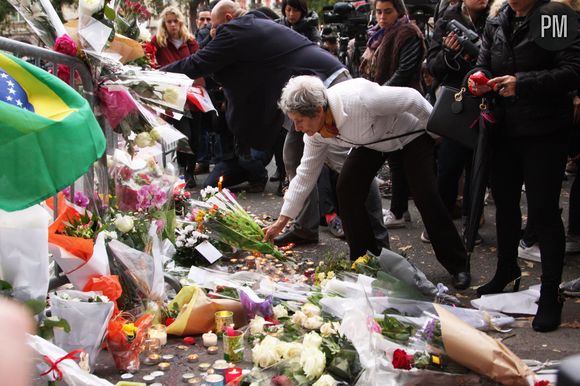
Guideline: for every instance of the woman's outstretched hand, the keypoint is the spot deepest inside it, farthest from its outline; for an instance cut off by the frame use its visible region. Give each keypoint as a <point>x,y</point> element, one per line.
<point>275,229</point>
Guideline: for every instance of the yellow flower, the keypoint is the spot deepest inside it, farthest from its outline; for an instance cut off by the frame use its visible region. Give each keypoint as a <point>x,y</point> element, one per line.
<point>199,216</point>
<point>130,330</point>
<point>330,275</point>
<point>361,260</point>
<point>170,95</point>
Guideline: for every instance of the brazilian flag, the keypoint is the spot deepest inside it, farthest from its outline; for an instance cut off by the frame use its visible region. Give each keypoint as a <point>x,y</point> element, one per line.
<point>49,136</point>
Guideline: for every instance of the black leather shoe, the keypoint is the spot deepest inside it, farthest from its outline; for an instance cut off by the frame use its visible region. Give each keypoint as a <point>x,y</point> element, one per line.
<point>291,237</point>
<point>461,280</point>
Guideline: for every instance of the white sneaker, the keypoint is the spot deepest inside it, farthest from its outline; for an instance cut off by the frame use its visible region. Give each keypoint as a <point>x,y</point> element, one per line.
<point>392,222</point>
<point>531,253</point>
<point>572,244</point>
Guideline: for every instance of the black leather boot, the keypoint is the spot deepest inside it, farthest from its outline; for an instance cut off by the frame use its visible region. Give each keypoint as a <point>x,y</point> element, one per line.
<point>504,275</point>
<point>550,305</point>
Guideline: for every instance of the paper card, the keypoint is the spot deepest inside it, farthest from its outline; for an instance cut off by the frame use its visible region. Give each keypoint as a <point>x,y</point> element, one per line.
<point>208,251</point>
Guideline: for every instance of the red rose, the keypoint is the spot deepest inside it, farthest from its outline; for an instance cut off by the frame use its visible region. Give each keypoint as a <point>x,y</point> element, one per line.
<point>65,45</point>
<point>401,360</point>
<point>169,320</point>
<point>542,383</point>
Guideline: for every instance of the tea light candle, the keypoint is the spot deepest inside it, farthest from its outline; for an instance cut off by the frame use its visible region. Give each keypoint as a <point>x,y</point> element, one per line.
<point>219,362</point>
<point>168,357</point>
<point>157,373</point>
<point>210,371</point>
<point>148,379</point>
<point>127,376</point>
<point>194,381</point>
<point>204,366</point>
<point>209,339</point>
<point>250,261</point>
<point>233,375</point>
<point>182,347</point>
<point>221,368</point>
<point>158,331</point>
<point>152,359</point>
<point>193,358</point>
<point>164,366</point>
<point>212,350</point>
<point>187,376</point>
<point>214,380</point>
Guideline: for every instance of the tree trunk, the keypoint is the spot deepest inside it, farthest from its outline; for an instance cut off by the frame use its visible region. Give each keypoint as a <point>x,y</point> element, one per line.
<point>193,4</point>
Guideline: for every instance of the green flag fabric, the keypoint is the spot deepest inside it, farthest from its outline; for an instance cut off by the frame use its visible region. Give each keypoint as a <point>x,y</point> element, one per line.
<point>49,135</point>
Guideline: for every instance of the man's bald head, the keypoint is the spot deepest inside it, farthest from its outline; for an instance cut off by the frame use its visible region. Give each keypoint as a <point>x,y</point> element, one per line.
<point>225,11</point>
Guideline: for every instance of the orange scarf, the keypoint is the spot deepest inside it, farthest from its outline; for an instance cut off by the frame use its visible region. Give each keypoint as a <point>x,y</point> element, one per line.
<point>329,129</point>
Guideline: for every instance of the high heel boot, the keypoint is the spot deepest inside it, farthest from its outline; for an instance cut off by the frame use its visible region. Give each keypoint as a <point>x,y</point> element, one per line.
<point>503,276</point>
<point>549,314</point>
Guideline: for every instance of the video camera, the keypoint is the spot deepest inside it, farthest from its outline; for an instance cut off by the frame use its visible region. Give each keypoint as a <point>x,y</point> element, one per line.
<point>468,39</point>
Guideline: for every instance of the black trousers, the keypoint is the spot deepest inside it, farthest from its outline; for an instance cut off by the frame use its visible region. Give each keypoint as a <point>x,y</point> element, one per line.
<point>357,173</point>
<point>400,188</point>
<point>537,162</point>
<point>452,159</point>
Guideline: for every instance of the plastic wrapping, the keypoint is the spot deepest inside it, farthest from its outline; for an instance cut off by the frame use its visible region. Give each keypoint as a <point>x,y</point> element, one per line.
<point>88,322</point>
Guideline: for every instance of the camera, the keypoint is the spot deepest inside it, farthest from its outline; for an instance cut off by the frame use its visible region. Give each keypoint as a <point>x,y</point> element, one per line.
<point>346,21</point>
<point>468,39</point>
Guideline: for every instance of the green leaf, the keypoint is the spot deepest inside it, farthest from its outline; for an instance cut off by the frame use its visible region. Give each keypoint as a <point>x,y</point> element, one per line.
<point>4,285</point>
<point>36,306</point>
<point>46,329</point>
<point>110,12</point>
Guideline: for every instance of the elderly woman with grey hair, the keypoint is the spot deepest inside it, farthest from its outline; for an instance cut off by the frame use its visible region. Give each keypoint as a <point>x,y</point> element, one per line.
<point>373,121</point>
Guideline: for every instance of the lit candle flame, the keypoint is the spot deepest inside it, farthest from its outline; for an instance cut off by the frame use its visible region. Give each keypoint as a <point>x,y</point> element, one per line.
<point>220,181</point>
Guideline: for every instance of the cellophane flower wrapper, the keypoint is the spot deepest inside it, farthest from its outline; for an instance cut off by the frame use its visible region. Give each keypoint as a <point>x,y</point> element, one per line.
<point>125,350</point>
<point>254,305</point>
<point>212,278</point>
<point>167,90</point>
<point>481,353</point>
<point>24,252</point>
<point>141,185</point>
<point>228,222</point>
<point>73,375</point>
<point>42,18</point>
<point>140,273</point>
<point>79,258</point>
<point>348,293</point>
<point>88,321</point>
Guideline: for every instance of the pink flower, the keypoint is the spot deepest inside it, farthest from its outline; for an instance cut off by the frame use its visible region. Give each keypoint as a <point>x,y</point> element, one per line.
<point>65,45</point>
<point>116,105</point>
<point>81,200</point>
<point>66,192</point>
<point>373,325</point>
<point>126,173</point>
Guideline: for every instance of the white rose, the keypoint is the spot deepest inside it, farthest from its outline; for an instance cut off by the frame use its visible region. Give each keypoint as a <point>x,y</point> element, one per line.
<point>292,350</point>
<point>189,228</point>
<point>298,318</point>
<point>280,311</point>
<point>124,223</point>
<point>170,95</point>
<point>110,235</point>
<point>179,243</point>
<point>144,34</point>
<point>311,310</point>
<point>144,140</point>
<point>313,362</point>
<point>313,323</point>
<point>257,325</point>
<point>264,354</point>
<point>327,329</point>
<point>312,340</point>
<point>325,380</point>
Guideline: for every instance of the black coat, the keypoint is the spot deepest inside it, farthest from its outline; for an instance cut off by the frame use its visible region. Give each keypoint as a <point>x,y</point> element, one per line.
<point>446,67</point>
<point>307,26</point>
<point>543,103</point>
<point>253,57</point>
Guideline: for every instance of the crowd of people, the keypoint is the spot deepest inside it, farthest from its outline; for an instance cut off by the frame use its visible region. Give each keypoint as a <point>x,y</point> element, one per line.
<point>281,95</point>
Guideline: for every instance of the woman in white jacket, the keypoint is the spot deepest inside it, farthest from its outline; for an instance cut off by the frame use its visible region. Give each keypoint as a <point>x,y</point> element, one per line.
<point>373,121</point>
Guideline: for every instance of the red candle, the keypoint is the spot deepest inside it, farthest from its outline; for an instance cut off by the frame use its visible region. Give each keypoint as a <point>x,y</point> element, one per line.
<point>233,375</point>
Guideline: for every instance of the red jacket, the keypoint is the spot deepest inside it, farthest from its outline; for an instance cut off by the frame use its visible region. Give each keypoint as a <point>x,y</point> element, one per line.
<point>169,54</point>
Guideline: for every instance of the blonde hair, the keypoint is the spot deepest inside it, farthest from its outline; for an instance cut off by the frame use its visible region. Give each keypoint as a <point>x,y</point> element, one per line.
<point>162,34</point>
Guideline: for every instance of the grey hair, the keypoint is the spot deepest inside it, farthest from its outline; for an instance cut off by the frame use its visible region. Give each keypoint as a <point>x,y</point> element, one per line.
<point>303,95</point>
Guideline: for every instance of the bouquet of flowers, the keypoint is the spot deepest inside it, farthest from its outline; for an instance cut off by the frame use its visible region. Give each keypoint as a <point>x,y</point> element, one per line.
<point>129,14</point>
<point>125,338</point>
<point>188,237</point>
<point>225,220</point>
<point>42,19</point>
<point>87,314</point>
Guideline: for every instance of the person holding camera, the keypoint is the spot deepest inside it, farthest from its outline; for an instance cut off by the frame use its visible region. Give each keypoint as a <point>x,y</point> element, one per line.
<point>534,85</point>
<point>452,54</point>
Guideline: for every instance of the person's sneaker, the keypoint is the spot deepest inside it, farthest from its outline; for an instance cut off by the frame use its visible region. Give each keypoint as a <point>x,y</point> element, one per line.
<point>335,227</point>
<point>571,288</point>
<point>571,168</point>
<point>425,237</point>
<point>529,252</point>
<point>392,222</point>
<point>572,244</point>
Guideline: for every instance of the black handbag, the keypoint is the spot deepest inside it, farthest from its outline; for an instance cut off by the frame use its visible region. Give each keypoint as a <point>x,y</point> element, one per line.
<point>455,115</point>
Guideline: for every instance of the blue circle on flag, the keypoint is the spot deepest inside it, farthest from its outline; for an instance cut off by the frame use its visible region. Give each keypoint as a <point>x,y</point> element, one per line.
<point>11,92</point>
